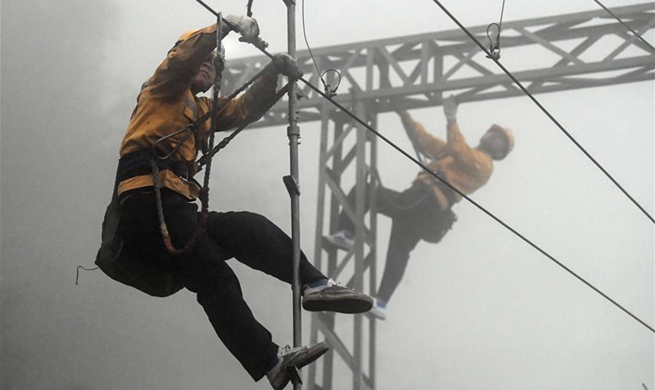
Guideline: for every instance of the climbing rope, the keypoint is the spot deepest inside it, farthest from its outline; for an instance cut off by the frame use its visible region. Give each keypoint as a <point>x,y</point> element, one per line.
<point>203,160</point>
<point>192,127</point>
<point>219,65</point>
<point>206,159</point>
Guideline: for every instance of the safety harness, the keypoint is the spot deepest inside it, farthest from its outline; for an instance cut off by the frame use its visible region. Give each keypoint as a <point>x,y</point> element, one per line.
<point>133,163</point>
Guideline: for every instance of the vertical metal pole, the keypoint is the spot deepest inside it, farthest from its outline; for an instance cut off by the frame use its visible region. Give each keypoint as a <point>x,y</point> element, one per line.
<point>360,233</point>
<point>293,132</point>
<point>318,247</point>
<point>373,223</point>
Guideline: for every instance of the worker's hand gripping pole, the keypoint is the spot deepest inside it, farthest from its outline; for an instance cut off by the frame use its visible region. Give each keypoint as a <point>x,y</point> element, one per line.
<point>255,40</point>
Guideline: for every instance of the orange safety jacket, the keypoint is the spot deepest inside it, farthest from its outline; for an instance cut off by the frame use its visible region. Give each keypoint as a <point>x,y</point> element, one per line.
<point>167,104</point>
<point>465,168</point>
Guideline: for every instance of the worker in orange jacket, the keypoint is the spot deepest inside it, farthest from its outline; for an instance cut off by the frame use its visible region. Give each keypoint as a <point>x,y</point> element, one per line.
<point>424,211</point>
<point>133,250</point>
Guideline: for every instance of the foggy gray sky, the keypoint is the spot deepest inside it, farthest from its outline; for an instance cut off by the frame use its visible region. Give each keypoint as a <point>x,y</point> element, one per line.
<point>481,310</point>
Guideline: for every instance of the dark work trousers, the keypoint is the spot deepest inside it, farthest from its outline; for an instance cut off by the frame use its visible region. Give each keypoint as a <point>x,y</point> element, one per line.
<point>414,215</point>
<point>250,238</point>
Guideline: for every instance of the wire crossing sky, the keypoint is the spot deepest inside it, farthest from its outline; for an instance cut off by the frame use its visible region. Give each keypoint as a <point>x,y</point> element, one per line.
<point>493,311</point>
<point>552,118</point>
<point>625,25</point>
<point>426,169</point>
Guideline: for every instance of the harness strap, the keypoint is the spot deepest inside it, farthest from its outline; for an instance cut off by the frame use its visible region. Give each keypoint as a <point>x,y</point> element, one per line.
<point>451,196</point>
<point>138,164</point>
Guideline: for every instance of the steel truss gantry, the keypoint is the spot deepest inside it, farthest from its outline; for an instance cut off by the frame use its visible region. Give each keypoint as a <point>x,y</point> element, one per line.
<point>557,53</point>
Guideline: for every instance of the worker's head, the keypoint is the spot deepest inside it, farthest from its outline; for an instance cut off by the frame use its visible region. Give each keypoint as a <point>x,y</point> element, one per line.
<point>204,78</point>
<point>497,142</point>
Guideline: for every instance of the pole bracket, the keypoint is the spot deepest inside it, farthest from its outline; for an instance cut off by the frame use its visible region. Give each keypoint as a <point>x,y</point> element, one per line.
<point>292,185</point>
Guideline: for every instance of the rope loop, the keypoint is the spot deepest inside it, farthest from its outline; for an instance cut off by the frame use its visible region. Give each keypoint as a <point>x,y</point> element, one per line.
<point>494,47</point>
<point>329,90</point>
<point>494,44</point>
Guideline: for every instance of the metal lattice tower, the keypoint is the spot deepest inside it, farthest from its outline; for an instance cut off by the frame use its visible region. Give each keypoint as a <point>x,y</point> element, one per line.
<point>549,54</point>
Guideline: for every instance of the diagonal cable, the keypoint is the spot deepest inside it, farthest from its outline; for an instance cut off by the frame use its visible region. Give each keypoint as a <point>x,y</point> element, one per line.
<point>625,25</point>
<point>552,118</point>
<point>481,208</point>
<point>484,210</point>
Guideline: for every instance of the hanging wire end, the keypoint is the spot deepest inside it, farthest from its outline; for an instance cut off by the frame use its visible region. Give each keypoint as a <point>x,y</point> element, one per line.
<point>77,273</point>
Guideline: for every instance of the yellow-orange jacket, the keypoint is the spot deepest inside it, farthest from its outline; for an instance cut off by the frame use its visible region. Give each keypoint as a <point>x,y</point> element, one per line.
<point>466,168</point>
<point>166,104</point>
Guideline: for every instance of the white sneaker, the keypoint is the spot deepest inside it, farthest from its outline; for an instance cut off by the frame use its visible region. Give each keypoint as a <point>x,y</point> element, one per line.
<point>379,309</point>
<point>289,357</point>
<point>343,239</point>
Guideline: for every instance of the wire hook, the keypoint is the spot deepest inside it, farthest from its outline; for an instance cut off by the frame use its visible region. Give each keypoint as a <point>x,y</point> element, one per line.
<point>329,90</point>
<point>494,45</point>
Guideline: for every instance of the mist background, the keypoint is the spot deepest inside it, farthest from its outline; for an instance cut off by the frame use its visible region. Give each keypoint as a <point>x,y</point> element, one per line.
<point>480,310</point>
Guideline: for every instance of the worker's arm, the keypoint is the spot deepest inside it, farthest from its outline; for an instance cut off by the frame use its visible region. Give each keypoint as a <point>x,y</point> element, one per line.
<point>175,74</point>
<point>261,95</point>
<point>466,158</point>
<point>425,142</point>
<point>455,138</point>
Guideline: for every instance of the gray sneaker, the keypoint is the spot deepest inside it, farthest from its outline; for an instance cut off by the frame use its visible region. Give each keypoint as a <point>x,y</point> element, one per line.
<point>333,296</point>
<point>288,358</point>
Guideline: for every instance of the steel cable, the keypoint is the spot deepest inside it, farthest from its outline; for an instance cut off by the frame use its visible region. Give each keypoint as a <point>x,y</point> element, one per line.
<point>550,116</point>
<point>481,208</point>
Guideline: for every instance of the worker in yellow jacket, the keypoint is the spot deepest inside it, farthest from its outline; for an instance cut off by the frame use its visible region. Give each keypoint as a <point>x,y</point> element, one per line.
<point>133,250</point>
<point>424,211</point>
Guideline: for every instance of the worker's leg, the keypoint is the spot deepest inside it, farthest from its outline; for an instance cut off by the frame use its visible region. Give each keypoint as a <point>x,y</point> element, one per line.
<point>402,241</point>
<point>385,199</point>
<point>344,221</point>
<point>203,272</point>
<point>411,213</point>
<point>219,293</point>
<point>255,241</point>
<point>395,204</point>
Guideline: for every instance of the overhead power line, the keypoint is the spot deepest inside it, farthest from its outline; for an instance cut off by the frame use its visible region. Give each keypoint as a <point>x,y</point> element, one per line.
<point>638,36</point>
<point>481,208</point>
<point>552,118</point>
<point>426,169</point>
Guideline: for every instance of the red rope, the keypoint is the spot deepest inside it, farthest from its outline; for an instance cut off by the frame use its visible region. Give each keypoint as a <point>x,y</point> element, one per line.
<point>198,234</point>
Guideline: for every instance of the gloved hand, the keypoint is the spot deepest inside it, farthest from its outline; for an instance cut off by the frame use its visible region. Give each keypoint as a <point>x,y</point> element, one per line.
<point>247,27</point>
<point>286,65</point>
<point>450,108</point>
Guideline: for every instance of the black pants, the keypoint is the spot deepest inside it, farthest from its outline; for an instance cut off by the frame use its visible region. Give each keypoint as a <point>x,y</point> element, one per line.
<point>250,238</point>
<point>415,216</point>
